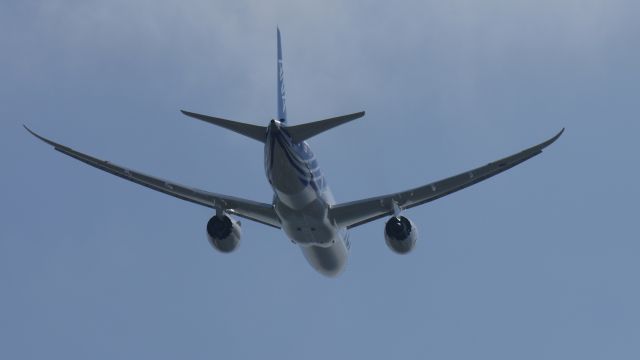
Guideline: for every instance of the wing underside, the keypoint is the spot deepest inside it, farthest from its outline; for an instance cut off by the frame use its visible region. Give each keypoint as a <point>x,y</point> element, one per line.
<point>360,212</point>
<point>259,212</point>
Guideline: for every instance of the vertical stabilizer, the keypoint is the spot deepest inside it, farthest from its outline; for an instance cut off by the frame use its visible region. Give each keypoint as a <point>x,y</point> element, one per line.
<point>282,96</point>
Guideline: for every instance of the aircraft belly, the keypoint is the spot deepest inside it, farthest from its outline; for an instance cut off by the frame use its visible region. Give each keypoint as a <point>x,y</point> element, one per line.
<point>290,182</point>
<point>329,261</point>
<point>309,225</point>
<point>302,202</point>
<point>298,200</point>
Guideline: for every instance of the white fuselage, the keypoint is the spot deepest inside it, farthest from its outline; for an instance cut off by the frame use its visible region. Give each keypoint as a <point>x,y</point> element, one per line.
<point>302,201</point>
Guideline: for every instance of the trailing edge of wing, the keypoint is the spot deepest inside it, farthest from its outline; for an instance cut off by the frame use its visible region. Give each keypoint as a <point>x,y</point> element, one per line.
<point>305,131</point>
<point>255,132</point>
<point>259,212</point>
<point>363,211</point>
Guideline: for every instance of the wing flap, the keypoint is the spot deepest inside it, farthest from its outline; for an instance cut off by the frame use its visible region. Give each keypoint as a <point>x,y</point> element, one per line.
<point>259,212</point>
<point>360,212</point>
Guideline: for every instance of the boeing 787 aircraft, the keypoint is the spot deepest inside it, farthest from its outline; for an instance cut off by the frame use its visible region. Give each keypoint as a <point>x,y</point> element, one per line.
<point>303,206</point>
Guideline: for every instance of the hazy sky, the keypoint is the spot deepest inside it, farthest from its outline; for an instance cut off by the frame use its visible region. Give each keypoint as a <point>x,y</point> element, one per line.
<point>541,262</point>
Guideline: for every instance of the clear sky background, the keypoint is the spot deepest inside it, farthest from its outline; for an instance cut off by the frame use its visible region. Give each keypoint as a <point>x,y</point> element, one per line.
<point>540,262</point>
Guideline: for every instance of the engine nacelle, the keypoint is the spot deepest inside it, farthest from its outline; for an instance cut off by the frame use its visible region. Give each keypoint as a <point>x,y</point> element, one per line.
<point>224,233</point>
<point>400,234</point>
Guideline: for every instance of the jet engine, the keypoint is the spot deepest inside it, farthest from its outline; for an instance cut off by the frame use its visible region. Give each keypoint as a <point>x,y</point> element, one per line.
<point>223,233</point>
<point>400,234</point>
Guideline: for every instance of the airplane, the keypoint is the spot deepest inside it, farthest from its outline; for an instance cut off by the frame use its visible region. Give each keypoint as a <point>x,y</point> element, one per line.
<point>303,205</point>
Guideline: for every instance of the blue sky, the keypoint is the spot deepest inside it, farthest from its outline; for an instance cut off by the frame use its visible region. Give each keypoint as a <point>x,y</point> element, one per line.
<point>540,262</point>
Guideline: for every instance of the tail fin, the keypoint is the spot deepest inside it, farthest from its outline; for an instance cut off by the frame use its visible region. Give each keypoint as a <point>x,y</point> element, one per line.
<point>282,96</point>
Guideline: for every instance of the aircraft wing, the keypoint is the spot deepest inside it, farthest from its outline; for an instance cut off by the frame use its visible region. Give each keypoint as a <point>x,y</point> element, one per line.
<point>361,212</point>
<point>259,212</point>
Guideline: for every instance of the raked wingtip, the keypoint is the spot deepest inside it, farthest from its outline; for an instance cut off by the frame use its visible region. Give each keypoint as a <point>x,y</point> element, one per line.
<point>552,140</point>
<point>31,132</point>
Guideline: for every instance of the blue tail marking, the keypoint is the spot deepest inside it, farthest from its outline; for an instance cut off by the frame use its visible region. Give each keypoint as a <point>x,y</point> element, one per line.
<point>282,95</point>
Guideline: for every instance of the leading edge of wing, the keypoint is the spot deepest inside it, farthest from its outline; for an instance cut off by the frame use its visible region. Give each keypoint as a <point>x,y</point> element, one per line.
<point>252,210</point>
<point>360,212</point>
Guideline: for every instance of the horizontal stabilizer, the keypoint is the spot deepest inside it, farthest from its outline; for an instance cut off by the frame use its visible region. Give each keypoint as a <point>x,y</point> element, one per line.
<point>303,132</point>
<point>255,132</point>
